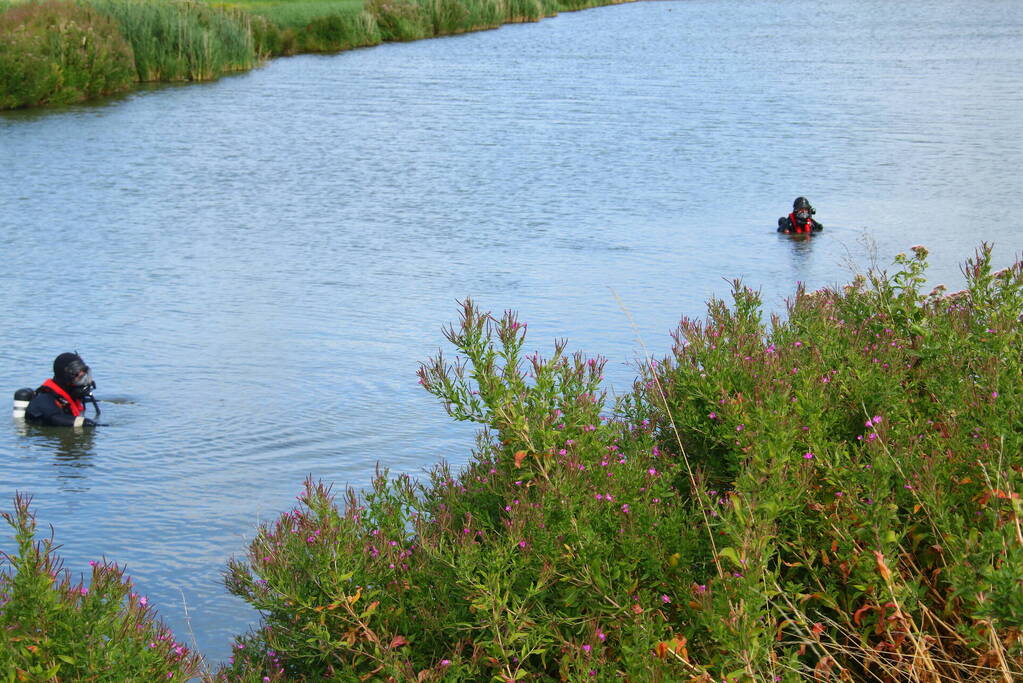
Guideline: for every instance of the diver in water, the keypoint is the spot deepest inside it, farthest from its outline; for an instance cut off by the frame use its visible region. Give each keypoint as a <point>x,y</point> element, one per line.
<point>61,400</point>
<point>800,220</point>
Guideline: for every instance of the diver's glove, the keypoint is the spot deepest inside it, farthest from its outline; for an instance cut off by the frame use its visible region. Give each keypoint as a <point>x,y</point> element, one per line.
<point>84,422</point>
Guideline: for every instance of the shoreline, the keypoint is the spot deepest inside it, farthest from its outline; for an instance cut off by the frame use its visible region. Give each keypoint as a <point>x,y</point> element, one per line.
<point>60,52</point>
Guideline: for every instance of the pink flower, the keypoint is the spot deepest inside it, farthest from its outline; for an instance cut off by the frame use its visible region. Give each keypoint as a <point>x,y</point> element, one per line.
<point>712,415</point>
<point>143,601</point>
<point>84,591</point>
<point>522,544</point>
<point>652,472</point>
<point>665,599</point>
<point>808,455</point>
<point>587,648</point>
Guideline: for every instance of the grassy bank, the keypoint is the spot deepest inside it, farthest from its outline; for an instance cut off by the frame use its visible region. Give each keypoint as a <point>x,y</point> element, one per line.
<point>832,496</point>
<point>64,51</point>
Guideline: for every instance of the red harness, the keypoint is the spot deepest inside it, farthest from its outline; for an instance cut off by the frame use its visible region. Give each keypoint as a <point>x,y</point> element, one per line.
<point>77,407</point>
<point>806,227</point>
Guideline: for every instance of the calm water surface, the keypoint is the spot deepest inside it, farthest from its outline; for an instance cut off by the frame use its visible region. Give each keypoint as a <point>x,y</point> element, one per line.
<point>254,267</point>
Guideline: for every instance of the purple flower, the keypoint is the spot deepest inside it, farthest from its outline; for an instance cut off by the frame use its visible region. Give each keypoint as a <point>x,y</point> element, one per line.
<point>713,415</point>
<point>665,599</point>
<point>808,455</point>
<point>587,648</point>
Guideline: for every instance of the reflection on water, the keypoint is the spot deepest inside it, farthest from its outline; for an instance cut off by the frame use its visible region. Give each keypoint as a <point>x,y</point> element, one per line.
<point>71,449</point>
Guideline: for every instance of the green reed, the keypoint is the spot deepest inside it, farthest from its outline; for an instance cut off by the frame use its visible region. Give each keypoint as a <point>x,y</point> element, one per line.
<point>181,41</point>
<point>311,26</point>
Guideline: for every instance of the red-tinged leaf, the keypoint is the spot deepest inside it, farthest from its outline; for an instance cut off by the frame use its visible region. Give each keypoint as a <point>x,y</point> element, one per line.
<point>882,568</point>
<point>519,457</point>
<point>858,614</point>
<point>680,647</point>
<point>661,650</point>
<point>781,625</point>
<point>818,628</point>
<point>398,641</point>
<point>636,609</point>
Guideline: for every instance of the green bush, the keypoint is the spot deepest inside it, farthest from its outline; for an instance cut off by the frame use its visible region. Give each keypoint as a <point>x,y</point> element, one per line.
<point>342,31</point>
<point>834,496</point>
<point>401,20</point>
<point>57,52</point>
<point>52,628</point>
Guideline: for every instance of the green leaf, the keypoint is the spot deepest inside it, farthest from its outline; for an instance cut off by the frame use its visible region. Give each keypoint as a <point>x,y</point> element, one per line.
<point>732,555</point>
<point>65,658</point>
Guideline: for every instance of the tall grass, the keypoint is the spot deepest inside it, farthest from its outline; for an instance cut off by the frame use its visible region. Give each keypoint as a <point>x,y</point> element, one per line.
<point>835,496</point>
<point>58,52</point>
<point>312,26</point>
<point>183,41</point>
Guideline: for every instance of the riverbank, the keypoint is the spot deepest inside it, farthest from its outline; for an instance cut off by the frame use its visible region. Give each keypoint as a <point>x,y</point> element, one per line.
<point>835,495</point>
<point>55,52</point>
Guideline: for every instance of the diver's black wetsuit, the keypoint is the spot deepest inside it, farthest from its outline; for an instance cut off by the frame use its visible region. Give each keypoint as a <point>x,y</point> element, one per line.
<point>48,407</point>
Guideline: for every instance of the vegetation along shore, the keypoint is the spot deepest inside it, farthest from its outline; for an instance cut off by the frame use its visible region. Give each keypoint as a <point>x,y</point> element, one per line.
<point>56,52</point>
<point>831,495</point>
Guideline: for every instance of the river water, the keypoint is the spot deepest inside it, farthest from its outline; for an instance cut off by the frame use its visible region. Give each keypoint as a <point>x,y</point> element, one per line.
<point>254,267</point>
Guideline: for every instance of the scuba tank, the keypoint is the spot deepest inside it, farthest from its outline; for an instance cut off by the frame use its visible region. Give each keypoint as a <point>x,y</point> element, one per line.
<point>22,397</point>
